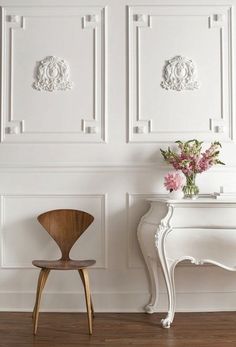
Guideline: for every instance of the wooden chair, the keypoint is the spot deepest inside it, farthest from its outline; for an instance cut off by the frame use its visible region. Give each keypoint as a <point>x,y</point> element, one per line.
<point>65,227</point>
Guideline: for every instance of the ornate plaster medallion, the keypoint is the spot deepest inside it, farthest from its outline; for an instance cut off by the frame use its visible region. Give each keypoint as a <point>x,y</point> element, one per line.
<point>179,73</point>
<point>53,74</point>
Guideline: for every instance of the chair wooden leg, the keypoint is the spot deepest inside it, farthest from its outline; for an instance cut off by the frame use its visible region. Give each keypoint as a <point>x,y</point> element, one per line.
<point>85,279</point>
<point>92,308</point>
<point>42,281</point>
<point>43,275</point>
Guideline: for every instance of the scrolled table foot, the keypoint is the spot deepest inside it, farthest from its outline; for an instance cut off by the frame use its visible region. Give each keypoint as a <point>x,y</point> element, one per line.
<point>150,309</point>
<point>166,323</point>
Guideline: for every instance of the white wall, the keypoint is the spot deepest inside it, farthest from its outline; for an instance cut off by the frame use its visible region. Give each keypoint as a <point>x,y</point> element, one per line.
<point>50,157</point>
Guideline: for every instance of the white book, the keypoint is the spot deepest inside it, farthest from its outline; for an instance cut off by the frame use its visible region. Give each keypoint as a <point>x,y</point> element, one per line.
<point>225,194</point>
<point>225,197</point>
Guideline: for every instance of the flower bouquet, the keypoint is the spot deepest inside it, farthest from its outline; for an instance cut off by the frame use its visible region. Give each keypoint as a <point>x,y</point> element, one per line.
<point>191,160</point>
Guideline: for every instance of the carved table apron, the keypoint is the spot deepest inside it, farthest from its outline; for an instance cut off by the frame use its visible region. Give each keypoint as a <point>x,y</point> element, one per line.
<point>201,231</point>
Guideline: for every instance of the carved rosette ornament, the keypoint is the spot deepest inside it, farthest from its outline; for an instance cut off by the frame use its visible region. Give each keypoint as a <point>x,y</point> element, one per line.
<point>53,74</point>
<point>179,73</point>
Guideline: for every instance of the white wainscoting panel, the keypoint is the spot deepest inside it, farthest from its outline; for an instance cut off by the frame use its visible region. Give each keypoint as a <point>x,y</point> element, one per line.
<point>137,206</point>
<point>21,231</point>
<point>74,34</point>
<point>202,34</point>
<point>90,91</point>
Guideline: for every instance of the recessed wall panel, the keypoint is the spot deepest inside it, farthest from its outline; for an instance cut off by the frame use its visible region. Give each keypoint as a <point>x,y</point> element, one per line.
<point>24,239</point>
<point>180,77</point>
<point>53,74</point>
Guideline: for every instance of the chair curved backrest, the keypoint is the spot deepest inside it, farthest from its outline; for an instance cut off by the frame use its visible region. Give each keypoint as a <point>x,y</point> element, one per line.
<point>65,227</point>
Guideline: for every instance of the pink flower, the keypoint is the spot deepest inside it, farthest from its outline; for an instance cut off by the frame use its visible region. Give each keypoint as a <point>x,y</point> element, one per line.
<point>173,181</point>
<point>203,164</point>
<point>190,160</point>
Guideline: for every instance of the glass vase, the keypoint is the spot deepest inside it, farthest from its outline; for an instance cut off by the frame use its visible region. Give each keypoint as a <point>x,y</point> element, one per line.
<point>190,189</point>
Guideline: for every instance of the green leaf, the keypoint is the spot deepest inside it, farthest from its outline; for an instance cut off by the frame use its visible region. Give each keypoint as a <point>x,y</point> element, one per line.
<point>220,162</point>
<point>217,143</point>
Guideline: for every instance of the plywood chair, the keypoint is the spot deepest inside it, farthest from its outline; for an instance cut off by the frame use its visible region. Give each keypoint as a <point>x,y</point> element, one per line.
<point>65,227</point>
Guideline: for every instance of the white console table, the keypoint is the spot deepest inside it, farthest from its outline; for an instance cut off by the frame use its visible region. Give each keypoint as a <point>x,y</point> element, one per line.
<point>201,231</point>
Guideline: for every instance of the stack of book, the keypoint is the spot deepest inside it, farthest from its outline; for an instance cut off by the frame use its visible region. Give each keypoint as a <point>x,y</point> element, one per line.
<point>225,196</point>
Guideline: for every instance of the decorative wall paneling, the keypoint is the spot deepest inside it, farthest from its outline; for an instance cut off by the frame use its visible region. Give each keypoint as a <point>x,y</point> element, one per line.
<point>19,227</point>
<point>30,35</point>
<point>158,34</point>
<point>136,207</point>
<point>51,156</point>
<point>119,283</point>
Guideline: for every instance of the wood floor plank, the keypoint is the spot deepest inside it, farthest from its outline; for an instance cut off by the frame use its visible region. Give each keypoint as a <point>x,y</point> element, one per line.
<point>118,330</point>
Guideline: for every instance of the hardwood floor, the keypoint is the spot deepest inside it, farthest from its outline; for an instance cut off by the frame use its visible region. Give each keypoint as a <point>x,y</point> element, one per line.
<point>118,330</point>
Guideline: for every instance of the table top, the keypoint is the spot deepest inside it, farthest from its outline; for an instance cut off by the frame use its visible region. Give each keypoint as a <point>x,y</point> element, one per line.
<point>202,199</point>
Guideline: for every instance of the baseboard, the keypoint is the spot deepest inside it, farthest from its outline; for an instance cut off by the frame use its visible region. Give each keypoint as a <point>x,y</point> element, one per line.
<point>118,302</point>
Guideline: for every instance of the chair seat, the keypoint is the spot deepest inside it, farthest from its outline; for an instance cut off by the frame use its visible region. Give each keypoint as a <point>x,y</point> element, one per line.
<point>63,264</point>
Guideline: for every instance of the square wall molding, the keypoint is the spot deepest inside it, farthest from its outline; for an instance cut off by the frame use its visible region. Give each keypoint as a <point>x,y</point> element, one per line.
<point>23,239</point>
<point>53,66</point>
<point>180,73</point>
